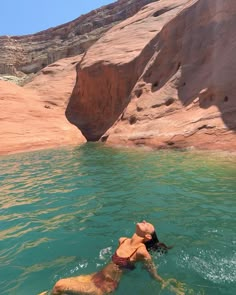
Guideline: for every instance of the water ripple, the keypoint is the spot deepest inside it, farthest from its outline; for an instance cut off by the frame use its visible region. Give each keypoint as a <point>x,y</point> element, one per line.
<point>211,265</point>
<point>62,212</point>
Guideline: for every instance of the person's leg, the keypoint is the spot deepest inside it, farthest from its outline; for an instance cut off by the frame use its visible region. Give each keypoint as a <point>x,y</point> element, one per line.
<point>76,285</point>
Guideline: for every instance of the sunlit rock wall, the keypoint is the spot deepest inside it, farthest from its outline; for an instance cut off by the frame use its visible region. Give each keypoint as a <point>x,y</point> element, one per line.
<point>28,54</point>
<point>164,77</point>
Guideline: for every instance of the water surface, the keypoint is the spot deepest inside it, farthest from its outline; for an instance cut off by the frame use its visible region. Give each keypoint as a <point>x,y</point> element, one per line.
<point>62,212</point>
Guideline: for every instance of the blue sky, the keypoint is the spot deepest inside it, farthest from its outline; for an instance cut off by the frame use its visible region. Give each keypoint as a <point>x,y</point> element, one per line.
<point>22,17</point>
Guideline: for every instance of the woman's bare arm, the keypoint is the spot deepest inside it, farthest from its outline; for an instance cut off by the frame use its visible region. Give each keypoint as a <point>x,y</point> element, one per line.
<point>149,264</point>
<point>178,289</point>
<point>151,268</point>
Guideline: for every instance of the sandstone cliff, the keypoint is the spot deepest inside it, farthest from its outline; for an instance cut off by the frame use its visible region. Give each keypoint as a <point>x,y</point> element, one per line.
<point>33,117</point>
<point>164,77</point>
<point>23,55</point>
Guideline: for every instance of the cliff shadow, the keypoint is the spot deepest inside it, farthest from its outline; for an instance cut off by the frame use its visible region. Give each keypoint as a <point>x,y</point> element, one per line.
<point>197,47</point>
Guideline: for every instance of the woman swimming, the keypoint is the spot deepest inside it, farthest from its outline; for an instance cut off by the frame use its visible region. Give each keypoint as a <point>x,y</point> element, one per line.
<point>129,251</point>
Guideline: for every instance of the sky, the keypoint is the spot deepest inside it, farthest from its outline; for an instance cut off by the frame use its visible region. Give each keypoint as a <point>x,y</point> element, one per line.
<point>22,17</point>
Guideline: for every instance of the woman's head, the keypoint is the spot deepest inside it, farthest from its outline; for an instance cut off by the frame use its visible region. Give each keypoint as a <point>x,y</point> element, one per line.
<point>151,241</point>
<point>144,229</point>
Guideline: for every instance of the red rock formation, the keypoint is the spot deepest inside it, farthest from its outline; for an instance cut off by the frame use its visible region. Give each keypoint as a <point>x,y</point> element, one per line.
<point>33,117</point>
<point>30,53</point>
<point>164,77</point>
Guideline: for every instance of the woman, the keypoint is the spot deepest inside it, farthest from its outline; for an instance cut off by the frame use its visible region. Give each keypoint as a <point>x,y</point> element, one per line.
<point>129,251</point>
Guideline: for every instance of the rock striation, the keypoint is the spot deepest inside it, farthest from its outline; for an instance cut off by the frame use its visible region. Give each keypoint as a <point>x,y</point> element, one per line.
<point>33,117</point>
<point>164,77</point>
<point>24,55</point>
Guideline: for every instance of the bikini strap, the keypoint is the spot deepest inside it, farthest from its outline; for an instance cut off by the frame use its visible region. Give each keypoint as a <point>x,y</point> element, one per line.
<point>135,251</point>
<point>123,241</point>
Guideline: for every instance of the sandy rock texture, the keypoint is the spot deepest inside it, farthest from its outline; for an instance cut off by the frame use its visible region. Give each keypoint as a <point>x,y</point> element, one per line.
<point>25,55</point>
<point>164,77</point>
<point>33,117</point>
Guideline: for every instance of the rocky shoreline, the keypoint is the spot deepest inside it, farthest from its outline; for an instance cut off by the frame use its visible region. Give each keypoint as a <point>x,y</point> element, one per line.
<point>162,76</point>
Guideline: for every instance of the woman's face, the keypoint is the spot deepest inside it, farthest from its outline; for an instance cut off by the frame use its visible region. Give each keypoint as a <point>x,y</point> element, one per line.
<point>143,228</point>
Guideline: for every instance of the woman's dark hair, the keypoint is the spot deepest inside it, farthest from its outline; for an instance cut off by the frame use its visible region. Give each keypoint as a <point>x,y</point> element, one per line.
<point>155,245</point>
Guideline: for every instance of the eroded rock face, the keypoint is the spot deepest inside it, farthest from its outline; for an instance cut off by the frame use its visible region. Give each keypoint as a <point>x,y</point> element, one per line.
<point>23,55</point>
<point>33,117</point>
<point>164,77</point>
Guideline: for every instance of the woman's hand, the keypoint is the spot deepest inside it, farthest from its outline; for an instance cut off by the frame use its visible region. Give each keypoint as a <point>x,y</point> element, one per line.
<point>178,289</point>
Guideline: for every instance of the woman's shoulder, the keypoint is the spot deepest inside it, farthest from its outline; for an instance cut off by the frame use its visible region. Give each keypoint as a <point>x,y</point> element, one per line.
<point>122,239</point>
<point>143,253</point>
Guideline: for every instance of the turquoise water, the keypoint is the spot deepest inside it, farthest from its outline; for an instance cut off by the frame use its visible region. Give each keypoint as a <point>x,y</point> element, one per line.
<point>62,212</point>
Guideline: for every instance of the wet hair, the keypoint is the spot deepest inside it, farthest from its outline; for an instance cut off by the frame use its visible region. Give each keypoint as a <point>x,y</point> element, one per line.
<point>155,245</point>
